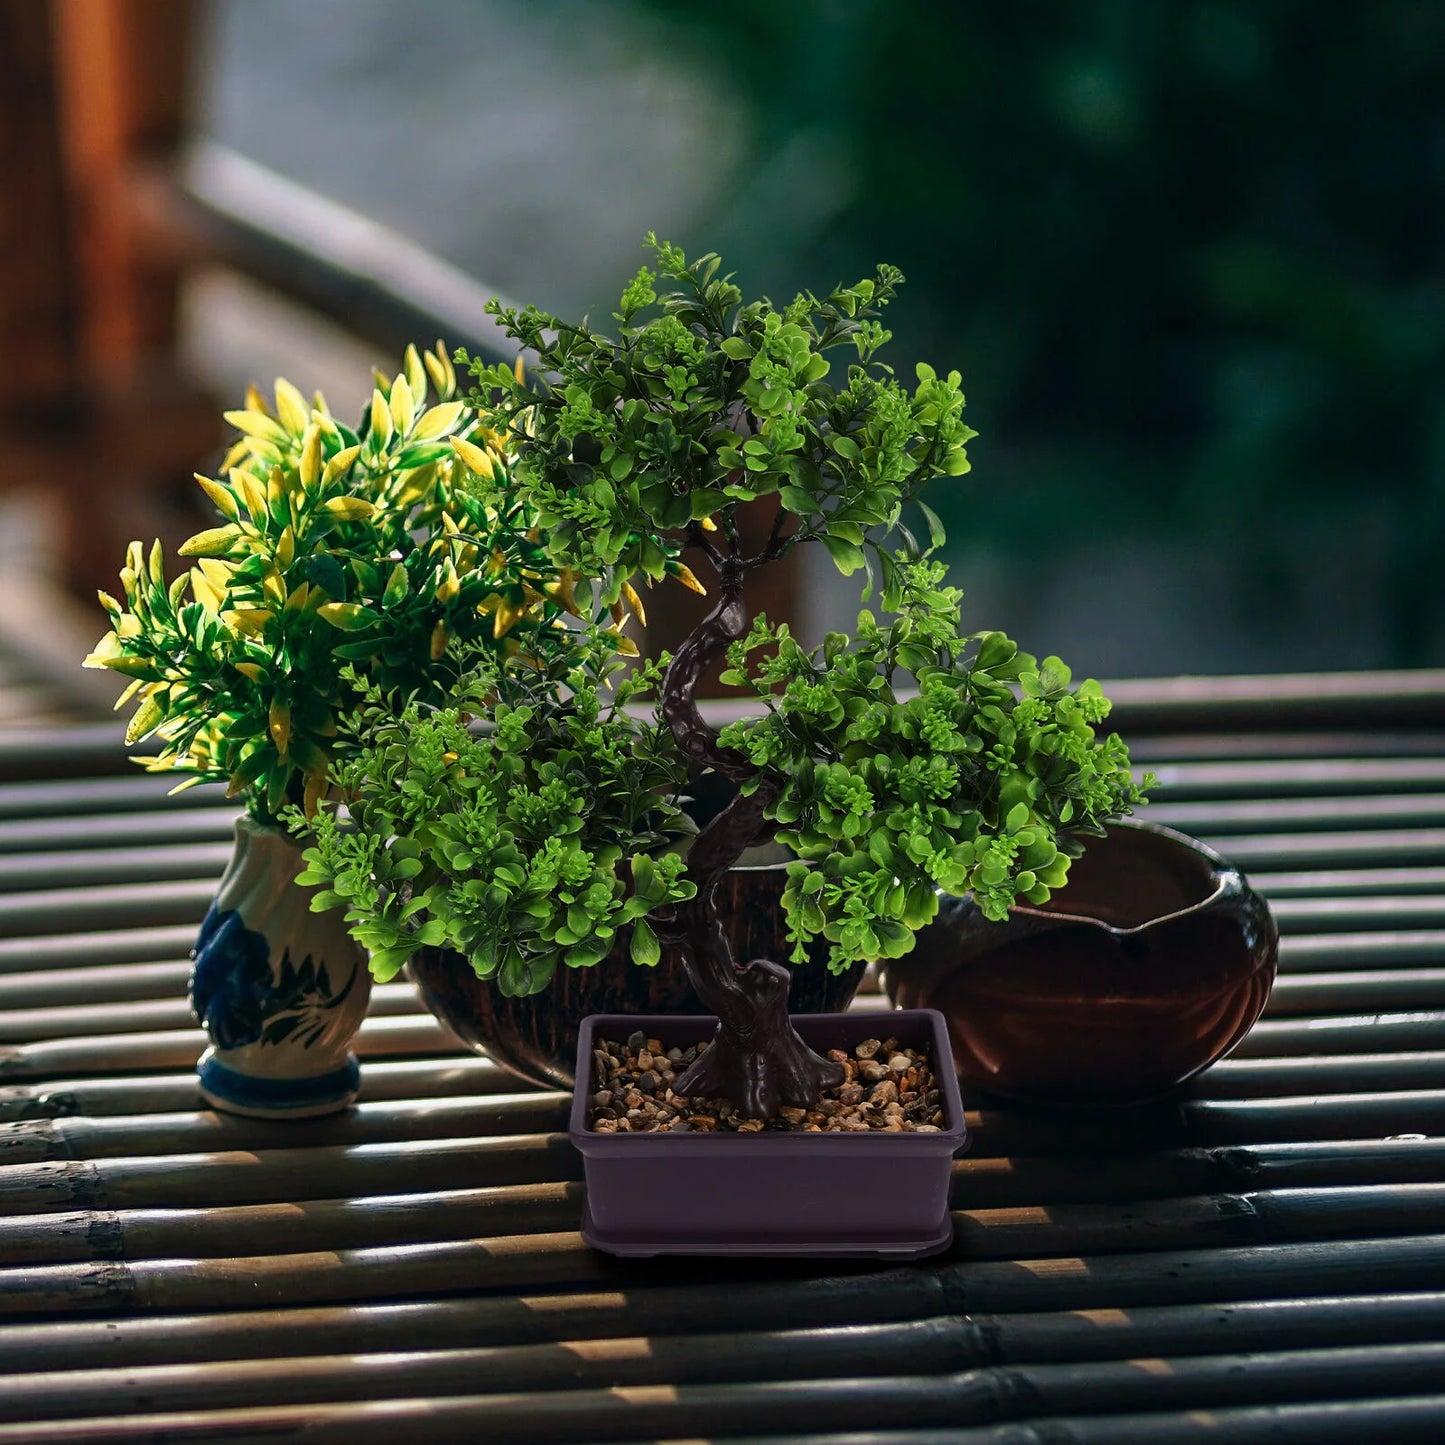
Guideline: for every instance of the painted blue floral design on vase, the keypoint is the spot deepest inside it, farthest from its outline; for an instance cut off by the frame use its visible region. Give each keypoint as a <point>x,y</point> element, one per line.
<point>280,990</point>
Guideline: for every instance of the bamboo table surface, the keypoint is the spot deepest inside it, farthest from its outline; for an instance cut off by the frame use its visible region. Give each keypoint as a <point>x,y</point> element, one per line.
<point>1260,1258</point>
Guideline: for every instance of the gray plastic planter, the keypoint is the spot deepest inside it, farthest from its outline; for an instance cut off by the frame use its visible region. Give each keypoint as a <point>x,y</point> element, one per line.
<point>774,1192</point>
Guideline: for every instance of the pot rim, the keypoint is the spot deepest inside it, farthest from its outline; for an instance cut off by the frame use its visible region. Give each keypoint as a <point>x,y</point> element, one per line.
<point>1226,878</point>
<point>948,1140</point>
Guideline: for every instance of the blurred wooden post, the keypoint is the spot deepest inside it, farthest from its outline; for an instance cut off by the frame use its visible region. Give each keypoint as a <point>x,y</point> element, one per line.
<point>93,92</point>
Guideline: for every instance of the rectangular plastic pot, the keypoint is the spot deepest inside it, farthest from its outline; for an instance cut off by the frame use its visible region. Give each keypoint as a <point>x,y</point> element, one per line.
<point>774,1192</point>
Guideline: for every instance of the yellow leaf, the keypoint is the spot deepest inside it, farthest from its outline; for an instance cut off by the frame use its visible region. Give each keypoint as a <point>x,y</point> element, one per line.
<point>314,792</point>
<point>109,602</point>
<point>415,375</point>
<point>348,509</point>
<point>255,401</point>
<point>300,595</point>
<point>291,409</point>
<point>148,716</point>
<point>438,421</point>
<point>107,648</point>
<point>506,617</point>
<point>475,458</point>
<point>403,407</point>
<point>215,542</point>
<point>626,646</point>
<point>519,371</point>
<point>708,525</point>
<point>256,424</point>
<point>310,468</point>
<point>441,634</point>
<point>253,671</point>
<point>684,574</point>
<point>219,574</point>
<point>274,588</point>
<point>280,725</point>
<point>380,420</point>
<point>248,621</point>
<point>439,368</point>
<point>449,586</point>
<point>285,548</point>
<point>253,494</point>
<point>206,594</point>
<point>629,595</point>
<point>220,497</point>
<point>338,464</point>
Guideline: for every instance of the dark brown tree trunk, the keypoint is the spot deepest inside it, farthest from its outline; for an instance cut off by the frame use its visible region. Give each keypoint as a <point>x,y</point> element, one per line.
<point>755,1059</point>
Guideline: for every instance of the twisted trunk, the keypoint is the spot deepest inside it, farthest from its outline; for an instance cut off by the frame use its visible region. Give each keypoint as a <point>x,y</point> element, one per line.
<point>756,1058</point>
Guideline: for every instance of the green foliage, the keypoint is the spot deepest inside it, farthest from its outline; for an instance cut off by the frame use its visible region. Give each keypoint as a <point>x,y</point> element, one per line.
<point>523,847</point>
<point>983,782</point>
<point>702,402</point>
<point>392,546</point>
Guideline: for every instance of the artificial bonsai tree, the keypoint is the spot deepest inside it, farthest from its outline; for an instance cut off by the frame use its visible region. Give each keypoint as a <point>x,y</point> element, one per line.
<point>910,758</point>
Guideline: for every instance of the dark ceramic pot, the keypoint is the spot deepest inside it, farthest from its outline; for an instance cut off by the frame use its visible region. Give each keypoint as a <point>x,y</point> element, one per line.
<point>1153,962</point>
<point>779,1193</point>
<point>536,1037</point>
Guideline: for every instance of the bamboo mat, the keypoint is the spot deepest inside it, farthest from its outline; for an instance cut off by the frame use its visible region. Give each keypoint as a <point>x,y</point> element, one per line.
<point>1261,1258</point>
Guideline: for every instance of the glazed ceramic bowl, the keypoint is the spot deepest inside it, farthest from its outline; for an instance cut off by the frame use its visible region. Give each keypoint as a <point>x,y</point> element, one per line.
<point>1153,962</point>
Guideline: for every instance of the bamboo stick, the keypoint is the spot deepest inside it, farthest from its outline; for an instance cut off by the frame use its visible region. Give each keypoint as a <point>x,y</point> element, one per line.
<point>74,1021</point>
<point>902,1300</point>
<point>406,1079</point>
<point>1367,1033</point>
<point>925,1354</point>
<point>1352,881</point>
<point>527,1263</point>
<point>265,1176</point>
<point>1310,995</point>
<point>1343,915</point>
<point>1291,777</point>
<point>83,797</point>
<point>105,983</point>
<point>1236,1078</point>
<point>1245,1386</point>
<point>1026,1231</point>
<point>160,829</point>
<point>88,867</point>
<point>1333,849</point>
<point>34,1141</point>
<point>85,950</point>
<point>1326,952</point>
<point>180,1048</point>
<point>1235,745</point>
<point>119,905</point>
<point>1292,815</point>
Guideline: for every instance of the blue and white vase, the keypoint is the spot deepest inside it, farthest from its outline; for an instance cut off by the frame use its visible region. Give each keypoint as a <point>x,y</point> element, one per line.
<point>280,990</point>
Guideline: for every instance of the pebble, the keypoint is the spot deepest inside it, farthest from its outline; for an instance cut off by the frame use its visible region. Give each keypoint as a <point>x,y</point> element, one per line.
<point>634,1094</point>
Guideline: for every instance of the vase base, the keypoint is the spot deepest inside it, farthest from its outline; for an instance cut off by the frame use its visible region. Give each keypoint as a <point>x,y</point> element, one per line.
<point>643,1245</point>
<point>230,1090</point>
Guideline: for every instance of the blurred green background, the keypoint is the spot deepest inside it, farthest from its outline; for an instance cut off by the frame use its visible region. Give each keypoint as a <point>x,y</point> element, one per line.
<point>1186,254</point>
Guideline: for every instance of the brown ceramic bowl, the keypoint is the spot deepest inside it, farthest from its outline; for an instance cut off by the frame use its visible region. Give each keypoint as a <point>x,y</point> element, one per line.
<point>1153,962</point>
<point>536,1037</point>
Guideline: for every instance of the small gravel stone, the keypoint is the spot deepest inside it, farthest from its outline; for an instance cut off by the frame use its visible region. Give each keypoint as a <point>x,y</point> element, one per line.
<point>899,1064</point>
<point>679,1126</point>
<point>644,1062</point>
<point>837,1056</point>
<point>850,1094</point>
<point>868,1048</point>
<point>602,1098</point>
<point>883,1092</point>
<point>674,1056</point>
<point>636,1042</point>
<point>647,1082</point>
<point>872,1072</point>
